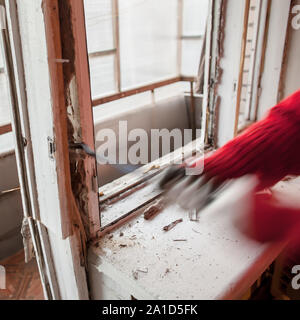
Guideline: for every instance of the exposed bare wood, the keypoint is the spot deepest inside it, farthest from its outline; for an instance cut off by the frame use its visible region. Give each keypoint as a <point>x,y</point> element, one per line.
<point>172,225</point>
<point>253,57</point>
<point>148,87</point>
<point>206,71</point>
<point>188,78</point>
<point>88,202</point>
<point>102,53</point>
<point>263,58</point>
<point>2,193</point>
<point>179,34</point>
<point>154,209</point>
<point>242,63</point>
<point>192,37</point>
<point>132,92</point>
<point>116,33</point>
<point>285,54</point>
<point>213,70</point>
<point>5,129</point>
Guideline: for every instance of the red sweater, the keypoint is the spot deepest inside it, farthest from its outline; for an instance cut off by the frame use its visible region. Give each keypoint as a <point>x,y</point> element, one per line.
<point>270,149</point>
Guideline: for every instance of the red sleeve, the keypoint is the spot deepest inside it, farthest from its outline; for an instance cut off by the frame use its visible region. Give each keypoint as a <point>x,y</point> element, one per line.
<point>270,221</point>
<point>269,148</point>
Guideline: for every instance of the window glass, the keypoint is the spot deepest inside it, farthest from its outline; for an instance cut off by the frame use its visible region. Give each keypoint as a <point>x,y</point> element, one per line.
<point>148,41</point>
<point>4,102</point>
<point>194,17</point>
<point>99,25</point>
<point>191,52</point>
<point>102,76</point>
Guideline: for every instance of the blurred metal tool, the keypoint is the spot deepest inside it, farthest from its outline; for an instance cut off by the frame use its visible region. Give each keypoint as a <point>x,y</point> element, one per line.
<point>122,168</point>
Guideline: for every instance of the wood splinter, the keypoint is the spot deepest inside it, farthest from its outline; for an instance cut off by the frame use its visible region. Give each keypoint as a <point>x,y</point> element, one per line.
<point>172,225</point>
<point>153,210</point>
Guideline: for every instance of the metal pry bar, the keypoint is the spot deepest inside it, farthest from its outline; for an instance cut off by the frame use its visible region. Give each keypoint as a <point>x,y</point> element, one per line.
<point>122,168</point>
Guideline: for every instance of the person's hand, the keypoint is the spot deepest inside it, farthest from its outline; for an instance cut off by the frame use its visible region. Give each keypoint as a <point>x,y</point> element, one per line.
<point>268,149</point>
<point>190,191</point>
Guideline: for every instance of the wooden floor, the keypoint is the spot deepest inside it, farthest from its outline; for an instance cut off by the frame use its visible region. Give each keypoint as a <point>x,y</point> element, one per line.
<point>22,280</point>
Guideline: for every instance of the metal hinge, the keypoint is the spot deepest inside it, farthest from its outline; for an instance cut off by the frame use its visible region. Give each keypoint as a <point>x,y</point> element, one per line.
<point>51,148</point>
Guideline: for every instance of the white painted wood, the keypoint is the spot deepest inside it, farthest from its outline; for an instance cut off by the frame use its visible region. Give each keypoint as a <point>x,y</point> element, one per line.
<point>258,59</point>
<point>253,58</point>
<point>212,261</point>
<point>291,81</point>
<point>32,32</point>
<point>66,276</point>
<point>8,50</point>
<point>227,88</point>
<point>206,85</point>
<point>30,203</point>
<point>274,55</point>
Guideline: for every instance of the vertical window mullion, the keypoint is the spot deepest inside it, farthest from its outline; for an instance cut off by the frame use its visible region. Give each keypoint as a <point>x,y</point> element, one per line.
<point>179,35</point>
<point>116,35</point>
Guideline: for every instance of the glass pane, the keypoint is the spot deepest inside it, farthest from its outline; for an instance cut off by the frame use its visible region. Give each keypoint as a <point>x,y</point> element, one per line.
<point>171,90</point>
<point>117,107</point>
<point>102,76</point>
<point>98,14</point>
<point>4,104</point>
<point>191,52</point>
<point>194,17</point>
<point>148,41</point>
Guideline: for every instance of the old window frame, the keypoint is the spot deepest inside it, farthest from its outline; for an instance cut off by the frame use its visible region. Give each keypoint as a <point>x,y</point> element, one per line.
<point>115,51</point>
<point>139,177</point>
<point>215,93</point>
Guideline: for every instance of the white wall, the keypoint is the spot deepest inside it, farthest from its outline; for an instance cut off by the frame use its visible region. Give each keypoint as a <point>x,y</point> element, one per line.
<point>171,113</point>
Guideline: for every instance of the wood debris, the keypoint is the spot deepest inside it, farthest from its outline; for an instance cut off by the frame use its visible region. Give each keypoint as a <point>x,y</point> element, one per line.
<point>155,166</point>
<point>153,210</point>
<point>172,225</point>
<point>123,245</point>
<point>135,275</point>
<point>180,240</point>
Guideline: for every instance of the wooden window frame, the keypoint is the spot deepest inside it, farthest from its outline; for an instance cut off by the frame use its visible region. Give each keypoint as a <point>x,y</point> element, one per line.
<point>115,51</point>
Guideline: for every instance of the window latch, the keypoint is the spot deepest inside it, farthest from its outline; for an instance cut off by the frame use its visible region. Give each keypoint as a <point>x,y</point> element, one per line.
<point>51,148</point>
